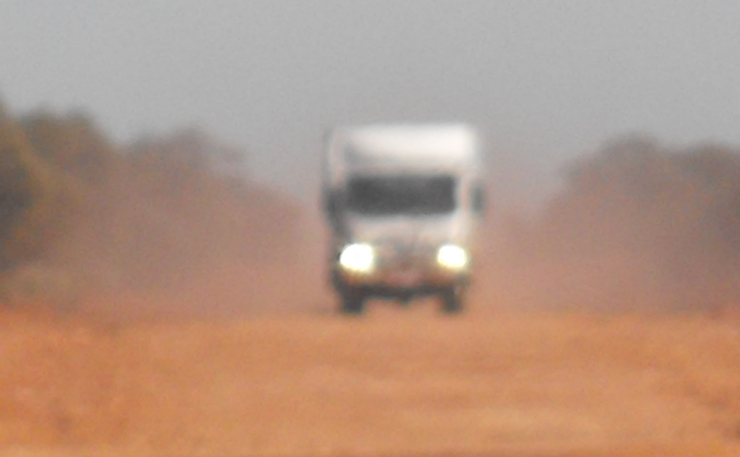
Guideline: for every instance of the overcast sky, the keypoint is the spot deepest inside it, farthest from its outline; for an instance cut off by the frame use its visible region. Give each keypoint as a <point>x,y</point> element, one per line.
<point>545,80</point>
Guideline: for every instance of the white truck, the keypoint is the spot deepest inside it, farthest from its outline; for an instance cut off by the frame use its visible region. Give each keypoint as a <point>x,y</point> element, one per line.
<point>403,203</point>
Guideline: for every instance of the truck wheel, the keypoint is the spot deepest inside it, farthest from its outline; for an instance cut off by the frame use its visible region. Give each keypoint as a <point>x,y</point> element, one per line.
<point>352,302</point>
<point>452,300</point>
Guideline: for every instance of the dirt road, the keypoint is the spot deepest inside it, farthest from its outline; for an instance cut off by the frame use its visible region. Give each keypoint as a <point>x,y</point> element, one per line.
<point>398,382</point>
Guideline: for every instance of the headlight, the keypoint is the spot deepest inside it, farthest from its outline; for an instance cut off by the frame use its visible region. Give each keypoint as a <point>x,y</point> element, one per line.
<point>452,256</point>
<point>358,258</point>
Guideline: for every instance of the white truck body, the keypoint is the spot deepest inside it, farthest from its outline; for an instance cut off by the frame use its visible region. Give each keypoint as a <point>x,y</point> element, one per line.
<point>410,196</point>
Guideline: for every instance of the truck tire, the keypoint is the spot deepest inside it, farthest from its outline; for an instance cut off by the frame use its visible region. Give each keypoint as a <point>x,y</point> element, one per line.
<point>452,300</point>
<point>353,302</point>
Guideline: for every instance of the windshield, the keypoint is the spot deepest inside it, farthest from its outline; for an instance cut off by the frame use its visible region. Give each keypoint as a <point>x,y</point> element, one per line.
<point>394,195</point>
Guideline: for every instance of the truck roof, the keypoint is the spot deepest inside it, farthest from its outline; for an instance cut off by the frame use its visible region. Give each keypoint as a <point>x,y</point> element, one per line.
<point>404,139</point>
<point>442,146</point>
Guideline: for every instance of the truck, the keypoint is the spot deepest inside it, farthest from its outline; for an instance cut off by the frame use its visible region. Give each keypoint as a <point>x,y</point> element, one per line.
<point>403,203</point>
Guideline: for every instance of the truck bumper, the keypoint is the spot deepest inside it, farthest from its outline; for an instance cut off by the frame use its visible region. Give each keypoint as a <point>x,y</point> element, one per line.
<point>400,285</point>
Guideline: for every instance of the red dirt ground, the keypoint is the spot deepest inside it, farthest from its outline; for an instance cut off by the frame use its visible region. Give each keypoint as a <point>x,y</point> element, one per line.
<point>397,382</point>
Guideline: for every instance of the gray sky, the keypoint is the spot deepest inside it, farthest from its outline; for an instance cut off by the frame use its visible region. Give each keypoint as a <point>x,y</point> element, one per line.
<point>546,80</point>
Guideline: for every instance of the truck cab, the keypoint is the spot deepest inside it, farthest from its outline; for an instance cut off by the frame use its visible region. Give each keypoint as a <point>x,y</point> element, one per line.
<point>403,203</point>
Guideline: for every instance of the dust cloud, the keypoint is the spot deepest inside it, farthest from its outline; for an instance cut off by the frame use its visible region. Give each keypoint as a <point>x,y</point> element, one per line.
<point>170,232</point>
<point>637,225</point>
<point>169,247</point>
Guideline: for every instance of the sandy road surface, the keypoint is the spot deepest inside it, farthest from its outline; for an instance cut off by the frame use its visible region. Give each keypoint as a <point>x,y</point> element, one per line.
<point>394,383</point>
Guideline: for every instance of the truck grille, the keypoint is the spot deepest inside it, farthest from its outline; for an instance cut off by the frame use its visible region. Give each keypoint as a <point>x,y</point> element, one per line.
<point>405,256</point>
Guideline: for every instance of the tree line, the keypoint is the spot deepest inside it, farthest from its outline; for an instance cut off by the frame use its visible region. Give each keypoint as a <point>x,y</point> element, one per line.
<point>140,212</point>
<point>640,221</point>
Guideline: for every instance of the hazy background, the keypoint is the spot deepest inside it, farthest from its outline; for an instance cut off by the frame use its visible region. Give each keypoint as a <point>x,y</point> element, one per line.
<point>611,129</point>
<point>546,81</point>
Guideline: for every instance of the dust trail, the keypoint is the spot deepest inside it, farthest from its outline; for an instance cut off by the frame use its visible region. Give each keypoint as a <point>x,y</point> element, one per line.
<point>172,221</point>
<point>637,225</point>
